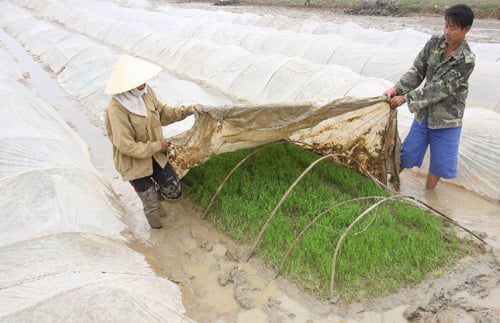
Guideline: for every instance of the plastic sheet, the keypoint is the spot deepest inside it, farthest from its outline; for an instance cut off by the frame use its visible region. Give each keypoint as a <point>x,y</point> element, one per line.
<point>64,235</point>
<point>265,59</point>
<point>370,52</point>
<point>369,145</point>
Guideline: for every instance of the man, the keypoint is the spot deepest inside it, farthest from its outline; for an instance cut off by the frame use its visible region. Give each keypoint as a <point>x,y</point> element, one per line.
<point>134,120</point>
<point>445,62</point>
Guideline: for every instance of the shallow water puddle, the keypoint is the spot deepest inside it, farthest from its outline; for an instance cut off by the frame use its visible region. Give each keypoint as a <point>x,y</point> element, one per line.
<point>477,214</point>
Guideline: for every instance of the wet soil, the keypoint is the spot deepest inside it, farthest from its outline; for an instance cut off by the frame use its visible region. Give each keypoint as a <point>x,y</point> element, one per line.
<point>217,286</point>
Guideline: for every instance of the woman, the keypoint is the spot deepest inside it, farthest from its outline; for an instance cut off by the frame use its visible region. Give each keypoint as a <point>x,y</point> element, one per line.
<point>134,118</point>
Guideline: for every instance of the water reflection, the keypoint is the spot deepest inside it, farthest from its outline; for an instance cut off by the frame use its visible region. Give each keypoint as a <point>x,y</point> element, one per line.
<point>467,208</point>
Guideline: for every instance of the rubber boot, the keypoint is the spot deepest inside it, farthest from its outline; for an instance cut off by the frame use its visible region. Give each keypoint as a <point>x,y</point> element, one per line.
<point>151,204</point>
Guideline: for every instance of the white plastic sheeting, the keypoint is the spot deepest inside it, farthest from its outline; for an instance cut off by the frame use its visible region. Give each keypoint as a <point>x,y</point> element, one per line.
<point>250,58</point>
<point>369,52</point>
<point>63,235</point>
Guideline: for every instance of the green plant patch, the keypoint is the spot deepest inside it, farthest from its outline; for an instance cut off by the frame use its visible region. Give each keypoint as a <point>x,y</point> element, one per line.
<point>395,245</point>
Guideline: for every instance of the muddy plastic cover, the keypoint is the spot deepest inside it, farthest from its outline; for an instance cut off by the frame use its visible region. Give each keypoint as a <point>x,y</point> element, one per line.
<point>360,133</point>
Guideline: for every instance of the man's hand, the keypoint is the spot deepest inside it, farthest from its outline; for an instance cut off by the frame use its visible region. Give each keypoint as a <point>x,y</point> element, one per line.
<point>394,99</point>
<point>397,101</point>
<point>391,93</point>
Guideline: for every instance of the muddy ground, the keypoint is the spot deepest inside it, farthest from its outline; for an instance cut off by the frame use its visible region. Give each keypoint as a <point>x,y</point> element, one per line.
<point>218,287</point>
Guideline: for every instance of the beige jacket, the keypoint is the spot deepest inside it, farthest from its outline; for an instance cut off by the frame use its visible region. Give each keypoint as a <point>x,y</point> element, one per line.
<point>136,138</point>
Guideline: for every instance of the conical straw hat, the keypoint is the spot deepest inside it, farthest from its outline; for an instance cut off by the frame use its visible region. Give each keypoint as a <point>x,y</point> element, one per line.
<point>130,72</point>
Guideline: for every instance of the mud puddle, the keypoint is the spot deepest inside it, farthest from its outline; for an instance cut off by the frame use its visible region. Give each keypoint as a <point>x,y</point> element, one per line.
<point>470,210</point>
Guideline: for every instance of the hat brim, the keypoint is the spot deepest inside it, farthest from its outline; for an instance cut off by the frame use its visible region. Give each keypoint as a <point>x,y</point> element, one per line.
<point>130,72</point>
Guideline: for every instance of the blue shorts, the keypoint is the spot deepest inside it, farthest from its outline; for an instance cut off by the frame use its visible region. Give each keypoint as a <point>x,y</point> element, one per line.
<point>443,148</point>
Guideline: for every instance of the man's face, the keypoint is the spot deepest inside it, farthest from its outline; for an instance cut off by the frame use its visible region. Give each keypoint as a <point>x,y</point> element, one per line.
<point>453,33</point>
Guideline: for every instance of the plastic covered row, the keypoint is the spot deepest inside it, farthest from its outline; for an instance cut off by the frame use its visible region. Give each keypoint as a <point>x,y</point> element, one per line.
<point>231,72</point>
<point>64,235</point>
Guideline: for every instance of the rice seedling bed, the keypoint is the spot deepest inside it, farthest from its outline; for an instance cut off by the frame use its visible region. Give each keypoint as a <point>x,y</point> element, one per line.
<point>395,245</point>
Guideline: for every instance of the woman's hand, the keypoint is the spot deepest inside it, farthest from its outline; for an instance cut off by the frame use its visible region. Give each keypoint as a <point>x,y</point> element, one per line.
<point>164,144</point>
<point>194,107</point>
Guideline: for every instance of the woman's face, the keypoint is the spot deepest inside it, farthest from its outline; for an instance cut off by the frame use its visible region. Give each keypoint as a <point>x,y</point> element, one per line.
<point>141,87</point>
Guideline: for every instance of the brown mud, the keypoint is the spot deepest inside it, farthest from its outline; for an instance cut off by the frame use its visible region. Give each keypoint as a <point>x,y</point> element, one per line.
<point>218,287</point>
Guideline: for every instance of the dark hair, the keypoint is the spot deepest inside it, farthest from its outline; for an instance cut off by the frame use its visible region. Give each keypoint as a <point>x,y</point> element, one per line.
<point>460,14</point>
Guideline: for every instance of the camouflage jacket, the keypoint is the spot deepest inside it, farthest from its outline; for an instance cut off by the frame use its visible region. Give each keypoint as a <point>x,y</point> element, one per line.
<point>443,95</point>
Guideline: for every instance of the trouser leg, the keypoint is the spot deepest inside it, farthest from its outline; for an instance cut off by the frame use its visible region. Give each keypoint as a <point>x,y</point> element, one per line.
<point>170,184</point>
<point>415,145</point>
<point>150,201</point>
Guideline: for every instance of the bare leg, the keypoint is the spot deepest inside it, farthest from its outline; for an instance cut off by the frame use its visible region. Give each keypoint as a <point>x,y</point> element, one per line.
<point>432,181</point>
